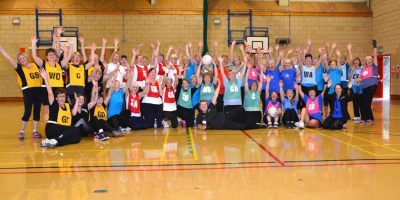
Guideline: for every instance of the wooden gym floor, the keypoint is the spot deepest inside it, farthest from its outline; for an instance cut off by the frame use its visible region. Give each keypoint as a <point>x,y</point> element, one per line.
<point>360,163</point>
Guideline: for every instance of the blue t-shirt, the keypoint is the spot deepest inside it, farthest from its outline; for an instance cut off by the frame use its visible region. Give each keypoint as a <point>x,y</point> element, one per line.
<point>275,78</point>
<point>190,70</point>
<point>288,77</point>
<point>319,78</point>
<point>337,112</point>
<point>335,75</point>
<point>116,103</point>
<point>287,105</point>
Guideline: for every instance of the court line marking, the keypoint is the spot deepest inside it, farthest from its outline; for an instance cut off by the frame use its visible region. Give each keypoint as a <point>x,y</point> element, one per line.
<point>192,169</point>
<point>164,146</point>
<point>381,145</point>
<point>346,143</point>
<point>192,143</point>
<point>275,158</point>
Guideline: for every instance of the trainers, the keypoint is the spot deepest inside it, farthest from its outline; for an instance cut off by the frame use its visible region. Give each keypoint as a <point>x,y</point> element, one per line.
<point>362,122</point>
<point>356,119</point>
<point>21,135</point>
<point>299,124</point>
<point>50,143</point>
<point>117,133</point>
<point>269,125</point>
<point>100,137</point>
<point>369,122</point>
<point>127,129</point>
<point>276,125</point>
<point>183,123</point>
<point>165,124</point>
<point>36,134</point>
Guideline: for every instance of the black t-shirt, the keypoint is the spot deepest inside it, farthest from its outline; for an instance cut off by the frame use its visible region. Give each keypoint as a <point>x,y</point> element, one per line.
<point>213,118</point>
<point>89,85</point>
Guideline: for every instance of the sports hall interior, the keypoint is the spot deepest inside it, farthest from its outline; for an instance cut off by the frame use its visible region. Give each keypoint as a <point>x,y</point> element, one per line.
<point>360,162</point>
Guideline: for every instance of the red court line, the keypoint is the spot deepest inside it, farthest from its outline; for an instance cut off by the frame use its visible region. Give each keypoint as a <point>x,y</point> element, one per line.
<point>280,162</point>
<point>202,168</point>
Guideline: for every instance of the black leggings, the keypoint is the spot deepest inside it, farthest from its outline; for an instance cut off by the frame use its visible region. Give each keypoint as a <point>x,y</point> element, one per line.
<point>117,121</point>
<point>234,120</point>
<point>32,98</point>
<point>187,115</point>
<point>101,124</point>
<point>220,103</point>
<point>231,107</point>
<point>171,115</point>
<point>151,112</point>
<point>366,101</point>
<point>84,127</point>
<point>357,104</point>
<point>252,117</point>
<point>290,115</point>
<point>63,134</point>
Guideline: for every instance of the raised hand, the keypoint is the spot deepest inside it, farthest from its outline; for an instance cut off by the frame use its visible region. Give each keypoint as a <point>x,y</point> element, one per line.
<point>81,39</point>
<point>116,41</point>
<point>329,83</point>
<point>350,84</point>
<point>338,53</point>
<point>220,59</point>
<point>333,45</point>
<point>233,42</point>
<point>190,44</point>
<point>93,47</point>
<point>280,83</point>
<point>43,73</point>
<point>349,46</point>
<point>104,41</point>
<point>268,78</point>
<point>34,40</point>
<point>135,52</point>
<point>326,78</point>
<point>308,41</point>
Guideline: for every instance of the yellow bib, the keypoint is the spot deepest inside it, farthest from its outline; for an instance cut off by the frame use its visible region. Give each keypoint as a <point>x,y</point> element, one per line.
<point>32,76</point>
<point>76,75</point>
<point>64,116</point>
<point>100,112</point>
<point>55,75</point>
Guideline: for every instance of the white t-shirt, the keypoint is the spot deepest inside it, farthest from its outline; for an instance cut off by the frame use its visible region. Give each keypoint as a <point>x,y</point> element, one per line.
<point>121,72</point>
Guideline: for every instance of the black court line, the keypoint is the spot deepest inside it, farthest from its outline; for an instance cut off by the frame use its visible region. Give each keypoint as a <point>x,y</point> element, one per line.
<point>202,164</point>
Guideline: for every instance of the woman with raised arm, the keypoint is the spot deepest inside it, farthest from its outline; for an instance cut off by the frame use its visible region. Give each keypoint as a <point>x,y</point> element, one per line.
<point>337,101</point>
<point>97,67</point>
<point>289,101</point>
<point>58,129</point>
<point>232,95</point>
<point>354,75</point>
<point>168,89</point>
<point>98,114</point>
<point>273,106</point>
<point>207,87</point>
<point>115,102</point>
<point>311,114</point>
<point>185,97</point>
<point>334,74</point>
<point>369,82</point>
<point>31,85</point>
<point>140,69</point>
<point>52,65</point>
<point>114,65</point>
<point>76,72</point>
<point>81,119</point>
<point>136,121</point>
<point>252,99</point>
<point>152,104</point>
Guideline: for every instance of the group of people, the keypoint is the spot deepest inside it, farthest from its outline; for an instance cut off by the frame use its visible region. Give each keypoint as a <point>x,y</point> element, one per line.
<point>85,96</point>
